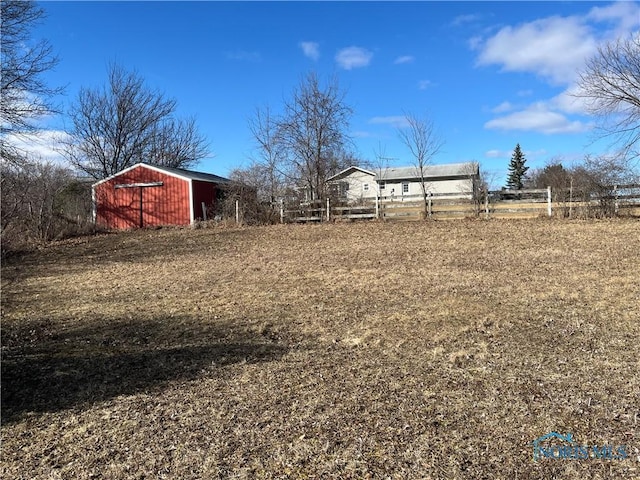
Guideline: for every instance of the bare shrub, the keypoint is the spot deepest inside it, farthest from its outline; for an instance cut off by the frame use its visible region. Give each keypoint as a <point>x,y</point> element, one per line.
<point>42,201</point>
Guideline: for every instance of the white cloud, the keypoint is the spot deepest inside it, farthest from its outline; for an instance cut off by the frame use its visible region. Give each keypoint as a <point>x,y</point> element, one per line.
<point>530,154</point>
<point>42,145</point>
<point>554,48</point>
<point>497,154</point>
<point>404,59</point>
<point>568,102</point>
<point>549,116</point>
<point>397,121</point>
<point>424,84</point>
<point>502,108</point>
<point>353,57</point>
<point>537,118</point>
<point>362,134</point>
<point>310,50</point>
<point>535,154</point>
<point>475,42</point>
<point>625,16</point>
<point>466,19</point>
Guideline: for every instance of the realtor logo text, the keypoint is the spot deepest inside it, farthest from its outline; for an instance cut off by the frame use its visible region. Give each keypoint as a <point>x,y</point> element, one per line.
<point>566,448</point>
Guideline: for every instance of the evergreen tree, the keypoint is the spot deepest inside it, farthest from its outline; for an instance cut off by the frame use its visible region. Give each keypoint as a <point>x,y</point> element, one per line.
<point>517,170</point>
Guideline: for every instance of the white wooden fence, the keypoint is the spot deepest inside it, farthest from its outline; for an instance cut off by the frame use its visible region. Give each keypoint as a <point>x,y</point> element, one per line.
<point>494,204</point>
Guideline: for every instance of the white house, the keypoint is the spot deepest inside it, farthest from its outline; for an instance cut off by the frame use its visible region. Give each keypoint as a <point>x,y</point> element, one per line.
<point>455,180</point>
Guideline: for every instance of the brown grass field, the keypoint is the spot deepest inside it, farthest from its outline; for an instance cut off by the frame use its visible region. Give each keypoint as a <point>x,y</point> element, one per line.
<point>415,350</point>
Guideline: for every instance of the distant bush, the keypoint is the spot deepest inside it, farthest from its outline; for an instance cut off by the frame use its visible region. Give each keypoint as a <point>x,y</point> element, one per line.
<point>42,201</point>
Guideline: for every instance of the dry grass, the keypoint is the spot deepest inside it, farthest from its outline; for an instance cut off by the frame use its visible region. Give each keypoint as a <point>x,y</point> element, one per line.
<point>370,350</point>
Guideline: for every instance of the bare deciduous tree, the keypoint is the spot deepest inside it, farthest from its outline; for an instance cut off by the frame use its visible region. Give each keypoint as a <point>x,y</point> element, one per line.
<point>24,96</point>
<point>177,143</point>
<point>313,131</point>
<point>610,83</point>
<point>267,168</point>
<point>424,143</point>
<point>256,180</point>
<point>40,201</point>
<point>124,123</point>
<point>380,166</point>
<point>594,178</point>
<point>478,186</point>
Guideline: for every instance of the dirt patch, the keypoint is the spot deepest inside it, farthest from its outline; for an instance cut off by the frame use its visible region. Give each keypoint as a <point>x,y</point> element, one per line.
<point>366,350</point>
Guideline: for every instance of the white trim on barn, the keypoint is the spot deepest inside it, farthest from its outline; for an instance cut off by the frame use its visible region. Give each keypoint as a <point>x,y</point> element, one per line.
<point>94,209</point>
<point>192,214</point>
<point>180,173</point>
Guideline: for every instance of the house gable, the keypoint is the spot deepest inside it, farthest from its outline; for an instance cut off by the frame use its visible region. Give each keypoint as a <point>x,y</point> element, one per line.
<point>354,183</point>
<point>349,172</point>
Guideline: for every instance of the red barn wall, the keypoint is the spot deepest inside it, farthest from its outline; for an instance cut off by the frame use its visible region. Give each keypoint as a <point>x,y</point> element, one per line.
<point>119,208</point>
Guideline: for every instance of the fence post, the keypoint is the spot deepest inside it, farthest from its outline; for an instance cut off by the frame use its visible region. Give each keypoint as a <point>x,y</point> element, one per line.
<point>282,211</point>
<point>549,212</point>
<point>237,211</point>
<point>616,204</point>
<point>486,203</point>
<point>430,212</point>
<point>570,197</point>
<point>377,206</point>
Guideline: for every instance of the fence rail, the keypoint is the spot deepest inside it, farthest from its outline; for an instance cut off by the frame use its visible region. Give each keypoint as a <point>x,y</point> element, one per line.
<point>526,203</point>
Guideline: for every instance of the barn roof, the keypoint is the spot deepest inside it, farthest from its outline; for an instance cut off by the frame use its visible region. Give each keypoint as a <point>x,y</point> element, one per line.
<point>191,174</point>
<point>176,172</point>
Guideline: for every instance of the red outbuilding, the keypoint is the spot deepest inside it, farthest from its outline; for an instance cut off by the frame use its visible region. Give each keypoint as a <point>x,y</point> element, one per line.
<point>148,195</point>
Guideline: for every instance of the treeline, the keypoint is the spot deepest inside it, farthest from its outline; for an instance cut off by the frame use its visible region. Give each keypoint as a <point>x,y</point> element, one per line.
<point>41,202</point>
<point>595,178</point>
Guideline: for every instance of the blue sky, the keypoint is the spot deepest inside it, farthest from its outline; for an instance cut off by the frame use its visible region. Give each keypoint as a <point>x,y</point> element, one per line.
<point>488,74</point>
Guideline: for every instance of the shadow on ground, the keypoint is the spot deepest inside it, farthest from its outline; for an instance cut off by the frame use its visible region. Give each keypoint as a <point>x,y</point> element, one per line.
<point>139,246</point>
<point>46,367</point>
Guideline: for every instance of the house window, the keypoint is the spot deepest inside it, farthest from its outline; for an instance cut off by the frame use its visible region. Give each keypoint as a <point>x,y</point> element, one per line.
<point>383,185</point>
<point>365,187</point>
<point>405,187</point>
<point>339,189</point>
<point>344,190</point>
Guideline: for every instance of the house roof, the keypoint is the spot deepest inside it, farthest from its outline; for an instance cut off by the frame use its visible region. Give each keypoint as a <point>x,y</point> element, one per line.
<point>463,169</point>
<point>431,171</point>
<point>176,172</point>
<point>349,170</point>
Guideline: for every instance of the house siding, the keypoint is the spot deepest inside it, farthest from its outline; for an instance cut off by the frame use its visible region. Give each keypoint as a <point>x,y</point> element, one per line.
<point>462,187</point>
<point>451,187</point>
<point>356,181</point>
